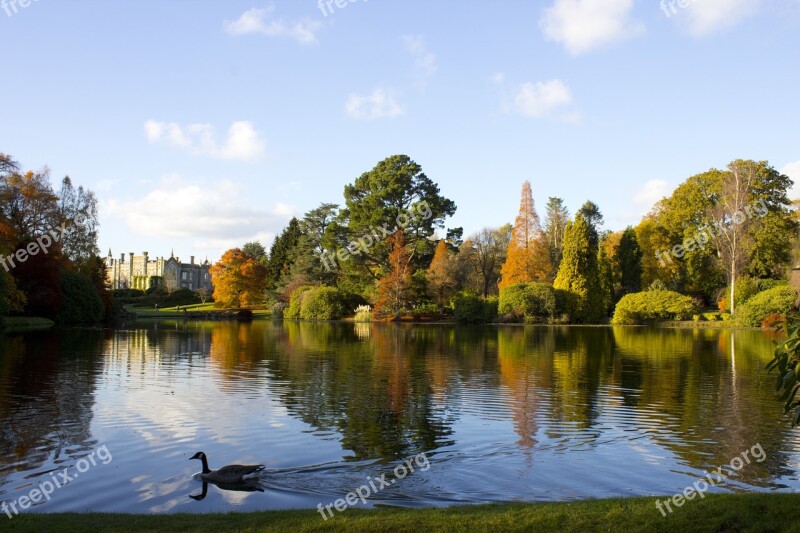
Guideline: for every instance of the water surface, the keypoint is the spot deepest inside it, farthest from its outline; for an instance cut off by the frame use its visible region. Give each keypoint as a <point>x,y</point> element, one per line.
<point>501,413</point>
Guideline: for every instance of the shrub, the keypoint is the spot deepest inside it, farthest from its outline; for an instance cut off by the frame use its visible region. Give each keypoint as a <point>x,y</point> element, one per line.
<point>471,309</point>
<point>527,300</point>
<point>711,317</point>
<point>82,303</point>
<point>490,306</point>
<point>296,302</point>
<point>278,310</point>
<point>725,317</point>
<point>697,318</point>
<point>778,300</point>
<point>322,303</point>
<point>651,306</point>
<point>426,310</point>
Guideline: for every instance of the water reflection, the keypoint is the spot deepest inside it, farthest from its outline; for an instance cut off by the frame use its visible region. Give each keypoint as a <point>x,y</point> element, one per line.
<point>527,413</point>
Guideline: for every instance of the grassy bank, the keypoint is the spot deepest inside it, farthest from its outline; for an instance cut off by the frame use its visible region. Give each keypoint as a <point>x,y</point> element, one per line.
<point>173,312</point>
<point>747,512</point>
<point>17,323</point>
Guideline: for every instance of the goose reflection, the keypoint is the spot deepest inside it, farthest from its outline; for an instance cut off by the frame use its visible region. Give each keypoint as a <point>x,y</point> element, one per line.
<point>253,485</point>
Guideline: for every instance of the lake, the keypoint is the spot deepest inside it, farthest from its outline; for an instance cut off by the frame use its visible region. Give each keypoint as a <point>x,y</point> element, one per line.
<point>501,413</point>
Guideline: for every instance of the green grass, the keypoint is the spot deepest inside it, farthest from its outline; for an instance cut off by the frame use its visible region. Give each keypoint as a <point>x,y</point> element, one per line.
<point>745,512</point>
<point>172,312</point>
<point>26,322</point>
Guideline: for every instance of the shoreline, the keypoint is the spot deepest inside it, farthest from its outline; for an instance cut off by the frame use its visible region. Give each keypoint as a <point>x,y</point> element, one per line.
<point>715,512</point>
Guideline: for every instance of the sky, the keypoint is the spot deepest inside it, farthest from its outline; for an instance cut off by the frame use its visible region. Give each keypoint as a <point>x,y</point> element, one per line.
<point>202,125</point>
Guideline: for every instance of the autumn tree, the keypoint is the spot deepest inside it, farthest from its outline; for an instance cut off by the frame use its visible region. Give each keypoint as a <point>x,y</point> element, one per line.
<point>579,274</point>
<point>239,280</point>
<point>394,287</point>
<point>438,274</point>
<point>528,257</point>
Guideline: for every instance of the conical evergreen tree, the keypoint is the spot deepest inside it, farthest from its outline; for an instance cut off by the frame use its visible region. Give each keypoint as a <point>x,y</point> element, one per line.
<point>579,273</point>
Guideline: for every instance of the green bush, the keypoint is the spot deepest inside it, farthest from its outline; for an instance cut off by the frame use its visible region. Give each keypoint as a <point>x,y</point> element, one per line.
<point>778,300</point>
<point>472,309</point>
<point>527,301</point>
<point>711,317</point>
<point>296,302</point>
<point>652,306</point>
<point>697,318</point>
<point>82,303</point>
<point>490,307</point>
<point>725,316</point>
<point>426,310</point>
<point>316,303</point>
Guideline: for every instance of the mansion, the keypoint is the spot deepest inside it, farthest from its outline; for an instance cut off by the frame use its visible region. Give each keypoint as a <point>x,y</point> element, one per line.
<point>141,272</point>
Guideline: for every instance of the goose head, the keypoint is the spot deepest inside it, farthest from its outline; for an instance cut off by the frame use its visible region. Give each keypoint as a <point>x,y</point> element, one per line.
<point>202,457</point>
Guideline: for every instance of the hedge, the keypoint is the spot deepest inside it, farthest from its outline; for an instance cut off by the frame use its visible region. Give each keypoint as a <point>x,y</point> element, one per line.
<point>652,306</point>
<point>318,303</point>
<point>471,309</point>
<point>82,303</point>
<point>778,300</point>
<point>527,300</point>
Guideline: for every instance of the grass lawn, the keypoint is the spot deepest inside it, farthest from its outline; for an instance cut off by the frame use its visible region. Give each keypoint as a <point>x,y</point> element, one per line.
<point>744,512</point>
<point>26,322</point>
<point>172,312</point>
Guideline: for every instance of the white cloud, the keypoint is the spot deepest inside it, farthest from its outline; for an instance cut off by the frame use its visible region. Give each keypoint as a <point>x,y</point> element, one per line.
<point>216,216</point>
<point>793,171</point>
<point>650,193</point>
<point>379,104</point>
<point>260,21</point>
<point>243,143</point>
<point>539,99</point>
<point>498,78</point>
<point>582,25</point>
<point>708,16</point>
<point>424,60</point>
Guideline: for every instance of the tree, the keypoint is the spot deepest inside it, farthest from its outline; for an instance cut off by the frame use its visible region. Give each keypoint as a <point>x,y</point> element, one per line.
<point>579,273</point>
<point>528,257</point>
<point>280,254</point>
<point>256,250</point>
<point>594,218</point>
<point>485,253</point>
<point>606,276</point>
<point>78,218</point>
<point>731,222</point>
<point>396,194</point>
<point>239,280</point>
<point>393,288</point>
<point>629,259</point>
<point>203,294</point>
<point>438,274</point>
<point>555,224</point>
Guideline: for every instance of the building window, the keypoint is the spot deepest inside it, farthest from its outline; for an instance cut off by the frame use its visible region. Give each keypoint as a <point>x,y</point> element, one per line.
<point>184,276</point>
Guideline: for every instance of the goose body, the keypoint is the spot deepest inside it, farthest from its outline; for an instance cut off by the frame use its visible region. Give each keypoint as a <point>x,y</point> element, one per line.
<point>231,474</point>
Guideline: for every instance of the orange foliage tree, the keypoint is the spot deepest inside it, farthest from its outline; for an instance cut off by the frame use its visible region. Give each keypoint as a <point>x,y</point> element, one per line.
<point>239,280</point>
<point>528,256</point>
<point>438,275</point>
<point>394,287</point>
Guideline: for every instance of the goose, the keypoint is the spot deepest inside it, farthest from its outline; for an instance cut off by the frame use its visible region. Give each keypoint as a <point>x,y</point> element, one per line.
<point>230,474</point>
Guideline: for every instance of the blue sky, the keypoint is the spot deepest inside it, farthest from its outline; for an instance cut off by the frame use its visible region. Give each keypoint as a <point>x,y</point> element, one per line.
<point>204,124</point>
